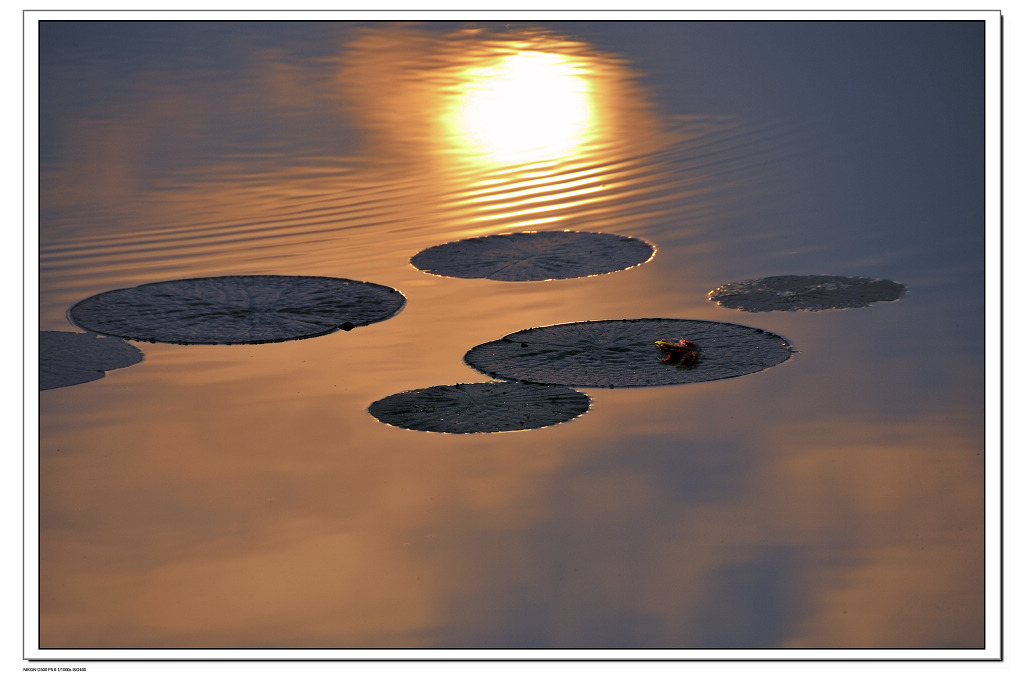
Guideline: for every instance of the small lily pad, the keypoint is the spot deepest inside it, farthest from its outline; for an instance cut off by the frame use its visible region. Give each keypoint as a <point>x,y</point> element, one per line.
<point>67,359</point>
<point>812,293</point>
<point>534,256</point>
<point>236,309</point>
<point>481,407</point>
<point>622,353</point>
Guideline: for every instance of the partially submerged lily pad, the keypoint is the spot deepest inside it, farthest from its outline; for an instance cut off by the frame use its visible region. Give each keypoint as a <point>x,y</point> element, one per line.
<point>67,359</point>
<point>813,293</point>
<point>622,353</point>
<point>481,407</point>
<point>236,309</point>
<point>534,256</point>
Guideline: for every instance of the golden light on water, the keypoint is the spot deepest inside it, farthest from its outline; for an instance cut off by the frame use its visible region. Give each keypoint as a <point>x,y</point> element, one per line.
<point>349,541</point>
<point>505,130</point>
<point>527,107</point>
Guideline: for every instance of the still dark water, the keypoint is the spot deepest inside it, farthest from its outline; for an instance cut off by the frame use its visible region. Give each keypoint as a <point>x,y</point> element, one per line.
<point>243,497</point>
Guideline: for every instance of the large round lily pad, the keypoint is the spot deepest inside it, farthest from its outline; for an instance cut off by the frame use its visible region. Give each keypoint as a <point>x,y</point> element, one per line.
<point>73,358</point>
<point>481,407</point>
<point>622,353</point>
<point>534,256</point>
<point>236,309</point>
<point>813,293</point>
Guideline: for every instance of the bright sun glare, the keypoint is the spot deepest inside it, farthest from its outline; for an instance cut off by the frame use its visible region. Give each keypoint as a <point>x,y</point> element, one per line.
<point>530,106</point>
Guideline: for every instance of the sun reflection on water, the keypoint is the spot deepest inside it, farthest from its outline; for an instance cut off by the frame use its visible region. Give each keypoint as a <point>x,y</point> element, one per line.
<point>507,129</point>
<point>526,107</point>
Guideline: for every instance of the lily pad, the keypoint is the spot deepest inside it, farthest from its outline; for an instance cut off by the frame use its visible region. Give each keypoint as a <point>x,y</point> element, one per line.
<point>67,359</point>
<point>481,407</point>
<point>236,309</point>
<point>534,256</point>
<point>622,353</point>
<point>813,293</point>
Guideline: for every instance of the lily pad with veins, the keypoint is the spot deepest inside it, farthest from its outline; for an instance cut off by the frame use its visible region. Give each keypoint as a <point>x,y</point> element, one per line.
<point>807,293</point>
<point>534,256</point>
<point>622,353</point>
<point>481,407</point>
<point>236,309</point>
<point>67,359</point>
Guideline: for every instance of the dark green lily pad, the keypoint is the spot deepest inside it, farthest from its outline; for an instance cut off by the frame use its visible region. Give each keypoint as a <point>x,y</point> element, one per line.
<point>236,309</point>
<point>810,293</point>
<point>622,353</point>
<point>534,256</point>
<point>481,407</point>
<point>67,359</point>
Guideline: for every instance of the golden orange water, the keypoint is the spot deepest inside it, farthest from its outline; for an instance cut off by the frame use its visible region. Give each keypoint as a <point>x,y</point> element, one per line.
<point>242,496</point>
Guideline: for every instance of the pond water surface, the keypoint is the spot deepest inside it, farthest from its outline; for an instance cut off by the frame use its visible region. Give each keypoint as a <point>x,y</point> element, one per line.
<point>238,497</point>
